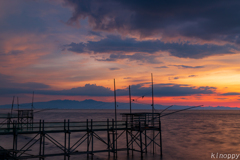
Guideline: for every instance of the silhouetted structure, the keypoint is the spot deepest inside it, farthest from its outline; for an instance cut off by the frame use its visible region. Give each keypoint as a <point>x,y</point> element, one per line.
<point>135,131</point>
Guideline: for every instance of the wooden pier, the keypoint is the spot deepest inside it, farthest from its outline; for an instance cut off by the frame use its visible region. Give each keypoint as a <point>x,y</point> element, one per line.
<point>138,130</point>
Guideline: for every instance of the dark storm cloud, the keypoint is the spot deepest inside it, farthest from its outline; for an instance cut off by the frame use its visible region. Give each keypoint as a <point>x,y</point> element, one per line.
<point>6,80</point>
<point>184,66</point>
<point>160,90</point>
<point>138,90</point>
<point>87,90</point>
<point>33,85</point>
<point>79,48</point>
<point>14,91</point>
<point>207,20</point>
<point>161,67</point>
<point>231,94</point>
<point>135,57</point>
<point>112,44</point>
<point>7,86</point>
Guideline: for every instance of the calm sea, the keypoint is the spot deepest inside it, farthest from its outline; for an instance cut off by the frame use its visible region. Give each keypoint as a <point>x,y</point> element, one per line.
<point>190,135</point>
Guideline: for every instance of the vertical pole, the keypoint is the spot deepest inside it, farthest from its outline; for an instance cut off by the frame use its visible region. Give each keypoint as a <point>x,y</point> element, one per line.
<point>40,147</point>
<point>32,119</point>
<point>32,99</point>
<point>115,99</point>
<point>87,140</point>
<point>146,133</point>
<point>18,103</point>
<point>68,139</point>
<point>18,119</point>
<point>14,140</point>
<point>130,100</point>
<point>140,130</point>
<point>92,135</point>
<point>132,132</point>
<point>12,106</point>
<point>127,137</point>
<point>43,149</point>
<point>113,138</point>
<point>152,94</point>
<point>160,130</point>
<point>27,123</point>
<point>65,140</point>
<point>152,112</point>
<point>108,141</point>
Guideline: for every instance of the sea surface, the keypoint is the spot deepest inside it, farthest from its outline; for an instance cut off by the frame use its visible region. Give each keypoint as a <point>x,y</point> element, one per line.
<point>187,135</point>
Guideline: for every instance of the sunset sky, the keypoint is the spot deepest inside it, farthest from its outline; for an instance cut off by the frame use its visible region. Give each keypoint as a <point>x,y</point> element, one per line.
<point>73,49</point>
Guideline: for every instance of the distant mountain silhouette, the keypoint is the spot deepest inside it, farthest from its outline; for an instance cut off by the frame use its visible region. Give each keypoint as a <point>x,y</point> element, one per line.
<point>92,104</point>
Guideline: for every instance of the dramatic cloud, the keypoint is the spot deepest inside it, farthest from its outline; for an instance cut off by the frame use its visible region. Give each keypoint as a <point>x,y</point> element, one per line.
<point>184,66</point>
<point>79,48</point>
<point>6,81</point>
<point>207,20</point>
<point>113,44</point>
<point>161,67</point>
<point>145,58</point>
<point>87,90</point>
<point>231,94</point>
<point>160,90</point>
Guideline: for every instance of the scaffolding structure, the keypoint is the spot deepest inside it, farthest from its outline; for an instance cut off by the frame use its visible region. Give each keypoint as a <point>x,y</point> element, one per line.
<point>135,129</point>
<point>25,117</point>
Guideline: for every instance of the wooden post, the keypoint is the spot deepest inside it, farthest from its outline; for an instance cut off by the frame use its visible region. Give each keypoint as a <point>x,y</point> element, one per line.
<point>160,130</point>
<point>14,140</point>
<point>108,138</point>
<point>130,100</point>
<point>140,130</point>
<point>113,138</point>
<point>115,99</point>
<point>68,139</point>
<point>92,135</point>
<point>146,132</point>
<point>87,139</point>
<point>127,137</point>
<point>153,133</point>
<point>132,133</point>
<point>40,147</point>
<point>43,150</point>
<point>65,140</point>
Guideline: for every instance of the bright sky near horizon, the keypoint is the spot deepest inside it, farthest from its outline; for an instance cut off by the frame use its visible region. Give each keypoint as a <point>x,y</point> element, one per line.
<point>68,49</point>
